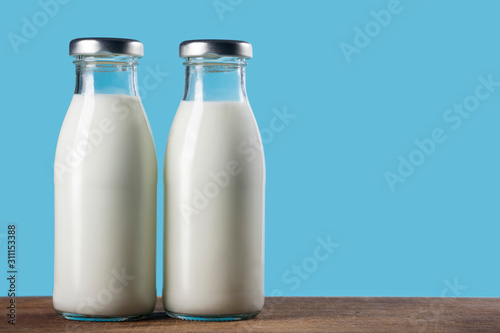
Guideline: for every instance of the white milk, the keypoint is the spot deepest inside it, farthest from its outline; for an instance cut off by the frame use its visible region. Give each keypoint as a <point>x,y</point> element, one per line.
<point>214,211</point>
<point>105,208</point>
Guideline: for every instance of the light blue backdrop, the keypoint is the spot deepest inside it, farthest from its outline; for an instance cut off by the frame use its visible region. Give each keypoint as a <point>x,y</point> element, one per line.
<point>365,104</point>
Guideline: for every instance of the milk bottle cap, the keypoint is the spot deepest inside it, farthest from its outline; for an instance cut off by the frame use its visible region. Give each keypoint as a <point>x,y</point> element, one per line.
<point>98,45</point>
<point>215,48</point>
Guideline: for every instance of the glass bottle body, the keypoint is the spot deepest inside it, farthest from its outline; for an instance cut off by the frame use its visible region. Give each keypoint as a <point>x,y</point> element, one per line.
<point>105,177</point>
<point>214,198</point>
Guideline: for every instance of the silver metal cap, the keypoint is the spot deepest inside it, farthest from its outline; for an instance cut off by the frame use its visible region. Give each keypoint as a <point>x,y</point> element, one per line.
<point>95,46</point>
<point>215,48</point>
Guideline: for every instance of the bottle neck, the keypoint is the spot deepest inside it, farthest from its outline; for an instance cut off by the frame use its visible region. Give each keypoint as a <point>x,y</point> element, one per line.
<point>106,75</point>
<point>215,79</point>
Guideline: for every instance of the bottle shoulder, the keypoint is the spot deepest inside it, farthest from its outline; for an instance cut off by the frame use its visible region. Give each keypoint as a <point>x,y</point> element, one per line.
<point>206,135</point>
<point>101,134</point>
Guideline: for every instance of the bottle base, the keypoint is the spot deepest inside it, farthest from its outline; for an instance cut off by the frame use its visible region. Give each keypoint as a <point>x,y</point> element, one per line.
<point>80,317</point>
<point>231,317</point>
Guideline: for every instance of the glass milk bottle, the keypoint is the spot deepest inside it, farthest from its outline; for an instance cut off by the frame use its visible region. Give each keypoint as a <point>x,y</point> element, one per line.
<point>105,177</point>
<point>214,190</point>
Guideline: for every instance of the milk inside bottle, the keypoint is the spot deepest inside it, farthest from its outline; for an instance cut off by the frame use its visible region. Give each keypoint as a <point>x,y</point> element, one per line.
<point>105,177</point>
<point>214,180</point>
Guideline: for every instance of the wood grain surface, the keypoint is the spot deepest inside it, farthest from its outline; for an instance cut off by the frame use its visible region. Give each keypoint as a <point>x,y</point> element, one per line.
<point>290,314</point>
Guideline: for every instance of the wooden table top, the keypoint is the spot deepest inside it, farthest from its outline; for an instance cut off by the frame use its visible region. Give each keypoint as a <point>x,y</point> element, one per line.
<point>291,314</point>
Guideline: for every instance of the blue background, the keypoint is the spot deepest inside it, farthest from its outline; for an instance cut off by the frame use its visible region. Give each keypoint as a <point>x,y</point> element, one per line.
<point>325,170</point>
